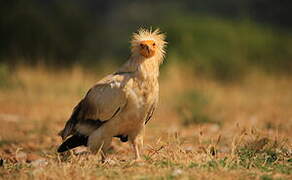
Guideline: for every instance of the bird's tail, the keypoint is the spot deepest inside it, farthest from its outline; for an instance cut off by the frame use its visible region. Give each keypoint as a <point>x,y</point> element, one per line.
<point>72,142</point>
<point>71,123</point>
<point>67,131</point>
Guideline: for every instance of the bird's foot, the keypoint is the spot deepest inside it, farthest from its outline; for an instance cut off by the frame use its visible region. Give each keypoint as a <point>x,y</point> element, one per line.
<point>108,161</point>
<point>137,161</point>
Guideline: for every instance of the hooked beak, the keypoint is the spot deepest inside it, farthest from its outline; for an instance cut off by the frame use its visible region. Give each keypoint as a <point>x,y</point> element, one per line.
<point>146,50</point>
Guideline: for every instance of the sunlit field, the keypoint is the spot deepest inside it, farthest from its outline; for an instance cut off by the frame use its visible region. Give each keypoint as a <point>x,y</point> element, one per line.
<point>203,129</point>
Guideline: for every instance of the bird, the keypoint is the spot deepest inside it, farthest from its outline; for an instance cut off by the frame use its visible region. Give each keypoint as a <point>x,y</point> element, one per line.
<point>122,103</point>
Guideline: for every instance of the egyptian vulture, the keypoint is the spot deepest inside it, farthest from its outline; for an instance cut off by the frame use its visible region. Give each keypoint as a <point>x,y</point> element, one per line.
<point>121,104</point>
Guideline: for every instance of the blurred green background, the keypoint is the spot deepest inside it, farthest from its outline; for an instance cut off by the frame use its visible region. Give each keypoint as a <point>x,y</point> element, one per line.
<point>223,39</point>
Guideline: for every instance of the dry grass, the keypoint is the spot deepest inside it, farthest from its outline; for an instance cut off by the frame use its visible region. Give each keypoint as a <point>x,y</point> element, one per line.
<point>241,130</point>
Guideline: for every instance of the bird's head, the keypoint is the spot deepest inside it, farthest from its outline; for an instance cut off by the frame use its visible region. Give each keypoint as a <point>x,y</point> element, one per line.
<point>147,44</point>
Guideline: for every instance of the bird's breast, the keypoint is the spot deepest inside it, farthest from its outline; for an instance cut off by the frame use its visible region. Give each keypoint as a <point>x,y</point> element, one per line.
<point>140,97</point>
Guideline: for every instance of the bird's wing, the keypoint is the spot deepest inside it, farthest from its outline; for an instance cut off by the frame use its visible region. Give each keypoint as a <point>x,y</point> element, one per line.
<point>103,101</point>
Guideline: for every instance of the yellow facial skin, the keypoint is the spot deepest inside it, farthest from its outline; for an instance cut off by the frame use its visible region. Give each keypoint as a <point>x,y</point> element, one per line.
<point>147,48</point>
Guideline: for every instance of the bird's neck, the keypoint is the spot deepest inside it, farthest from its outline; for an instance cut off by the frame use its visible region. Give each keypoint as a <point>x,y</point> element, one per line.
<point>142,67</point>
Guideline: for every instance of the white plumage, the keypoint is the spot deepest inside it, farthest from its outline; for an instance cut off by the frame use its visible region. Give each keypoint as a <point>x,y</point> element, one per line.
<point>122,103</point>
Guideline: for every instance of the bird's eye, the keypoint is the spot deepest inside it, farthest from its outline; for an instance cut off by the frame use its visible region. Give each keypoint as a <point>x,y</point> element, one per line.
<point>153,44</point>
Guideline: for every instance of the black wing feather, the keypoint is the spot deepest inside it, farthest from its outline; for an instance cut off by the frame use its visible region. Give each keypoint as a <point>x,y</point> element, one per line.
<point>150,113</point>
<point>72,142</point>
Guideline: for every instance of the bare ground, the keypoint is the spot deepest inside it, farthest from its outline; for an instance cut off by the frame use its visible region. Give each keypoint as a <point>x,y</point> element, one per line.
<point>238,130</point>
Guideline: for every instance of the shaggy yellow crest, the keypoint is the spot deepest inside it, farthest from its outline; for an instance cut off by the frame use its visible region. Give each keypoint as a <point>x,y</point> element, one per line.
<point>148,43</point>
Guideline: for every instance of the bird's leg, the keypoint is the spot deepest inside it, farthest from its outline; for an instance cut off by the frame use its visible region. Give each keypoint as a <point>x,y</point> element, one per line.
<point>137,143</point>
<point>104,149</point>
<point>136,149</point>
<point>141,137</point>
<point>99,144</point>
<point>103,156</point>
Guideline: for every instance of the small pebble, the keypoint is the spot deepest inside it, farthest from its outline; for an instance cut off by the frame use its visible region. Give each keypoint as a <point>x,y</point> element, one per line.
<point>39,163</point>
<point>177,172</point>
<point>188,149</point>
<point>21,157</point>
